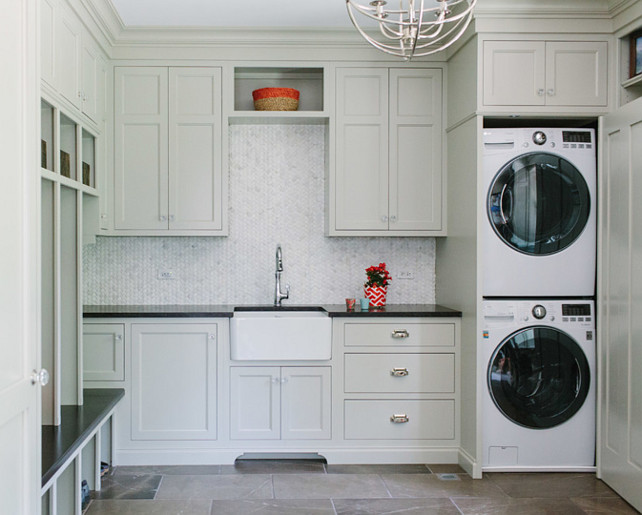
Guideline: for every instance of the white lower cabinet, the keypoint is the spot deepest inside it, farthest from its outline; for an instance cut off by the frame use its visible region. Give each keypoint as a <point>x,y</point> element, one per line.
<point>400,384</point>
<point>104,352</point>
<point>174,387</point>
<point>389,394</point>
<point>399,419</point>
<point>280,403</point>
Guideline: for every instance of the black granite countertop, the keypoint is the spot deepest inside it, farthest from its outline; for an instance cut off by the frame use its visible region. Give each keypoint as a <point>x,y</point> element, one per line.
<point>77,423</point>
<point>218,311</point>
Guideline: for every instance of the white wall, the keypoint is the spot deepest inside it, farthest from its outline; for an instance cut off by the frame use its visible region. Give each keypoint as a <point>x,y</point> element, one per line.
<point>276,196</point>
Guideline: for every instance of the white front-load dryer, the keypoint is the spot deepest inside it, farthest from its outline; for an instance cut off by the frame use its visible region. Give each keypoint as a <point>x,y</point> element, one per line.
<point>538,396</point>
<point>539,227</point>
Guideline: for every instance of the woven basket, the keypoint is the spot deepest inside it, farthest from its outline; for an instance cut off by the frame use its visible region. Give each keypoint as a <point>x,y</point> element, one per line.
<point>276,99</point>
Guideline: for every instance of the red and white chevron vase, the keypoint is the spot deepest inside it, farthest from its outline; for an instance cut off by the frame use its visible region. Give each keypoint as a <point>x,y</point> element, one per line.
<point>376,295</point>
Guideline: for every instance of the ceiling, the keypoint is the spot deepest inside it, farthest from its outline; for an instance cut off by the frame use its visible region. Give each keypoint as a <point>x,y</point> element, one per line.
<point>316,14</point>
<point>231,13</point>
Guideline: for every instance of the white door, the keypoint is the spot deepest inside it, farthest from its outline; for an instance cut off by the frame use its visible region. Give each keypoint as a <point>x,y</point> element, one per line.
<point>255,396</point>
<point>620,304</point>
<point>19,313</point>
<point>305,403</point>
<point>195,177</point>
<point>361,196</point>
<point>415,150</point>
<point>514,73</point>
<point>174,394</point>
<point>140,148</point>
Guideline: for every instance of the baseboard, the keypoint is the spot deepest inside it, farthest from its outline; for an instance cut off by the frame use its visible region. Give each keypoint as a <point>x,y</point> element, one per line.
<point>539,469</point>
<point>361,456</point>
<point>470,464</point>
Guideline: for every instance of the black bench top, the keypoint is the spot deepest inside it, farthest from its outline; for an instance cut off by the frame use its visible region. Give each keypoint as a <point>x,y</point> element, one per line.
<point>77,423</point>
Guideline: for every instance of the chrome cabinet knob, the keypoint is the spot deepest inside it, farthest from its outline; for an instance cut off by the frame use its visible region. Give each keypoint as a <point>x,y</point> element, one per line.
<point>118,337</point>
<point>400,333</point>
<point>384,218</point>
<point>540,92</point>
<point>551,92</point>
<point>399,372</point>
<point>162,218</point>
<point>399,419</point>
<point>393,219</point>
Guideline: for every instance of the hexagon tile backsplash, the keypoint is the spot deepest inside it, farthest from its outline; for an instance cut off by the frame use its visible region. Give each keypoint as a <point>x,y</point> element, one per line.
<point>276,188</point>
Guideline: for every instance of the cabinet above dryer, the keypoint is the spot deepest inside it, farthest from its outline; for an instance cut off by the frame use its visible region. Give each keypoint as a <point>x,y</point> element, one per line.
<point>544,75</point>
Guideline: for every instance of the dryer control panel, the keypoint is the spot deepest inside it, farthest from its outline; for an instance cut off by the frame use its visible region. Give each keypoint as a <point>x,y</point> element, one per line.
<point>539,139</point>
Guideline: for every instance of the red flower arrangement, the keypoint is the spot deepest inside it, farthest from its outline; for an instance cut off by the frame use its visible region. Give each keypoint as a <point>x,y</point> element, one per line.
<point>377,276</point>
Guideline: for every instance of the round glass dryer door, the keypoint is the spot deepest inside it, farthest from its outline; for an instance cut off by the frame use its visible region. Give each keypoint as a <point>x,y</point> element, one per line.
<point>539,377</point>
<point>538,204</point>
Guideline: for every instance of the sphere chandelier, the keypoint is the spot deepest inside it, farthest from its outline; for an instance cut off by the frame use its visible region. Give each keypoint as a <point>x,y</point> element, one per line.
<point>412,30</point>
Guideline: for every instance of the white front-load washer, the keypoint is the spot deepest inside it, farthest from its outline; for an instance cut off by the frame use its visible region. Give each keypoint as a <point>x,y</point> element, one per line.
<point>538,399</point>
<point>539,231</point>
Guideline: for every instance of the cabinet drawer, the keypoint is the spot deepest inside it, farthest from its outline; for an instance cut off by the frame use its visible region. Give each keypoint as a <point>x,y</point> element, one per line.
<point>426,420</point>
<point>399,373</point>
<point>400,334</point>
<point>103,352</point>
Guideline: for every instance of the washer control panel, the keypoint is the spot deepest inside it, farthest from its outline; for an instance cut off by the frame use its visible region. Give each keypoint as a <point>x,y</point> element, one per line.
<point>534,312</point>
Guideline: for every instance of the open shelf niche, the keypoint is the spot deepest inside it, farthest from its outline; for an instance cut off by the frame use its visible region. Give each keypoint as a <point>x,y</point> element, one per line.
<point>309,81</point>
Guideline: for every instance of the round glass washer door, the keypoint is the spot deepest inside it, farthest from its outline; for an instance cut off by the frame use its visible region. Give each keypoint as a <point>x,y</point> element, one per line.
<point>539,377</point>
<point>538,204</point>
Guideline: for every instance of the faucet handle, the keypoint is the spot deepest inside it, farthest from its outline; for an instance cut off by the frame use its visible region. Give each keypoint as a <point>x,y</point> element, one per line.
<point>287,291</point>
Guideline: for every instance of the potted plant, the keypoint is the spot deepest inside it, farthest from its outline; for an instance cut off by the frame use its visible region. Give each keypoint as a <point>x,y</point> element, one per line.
<point>376,286</point>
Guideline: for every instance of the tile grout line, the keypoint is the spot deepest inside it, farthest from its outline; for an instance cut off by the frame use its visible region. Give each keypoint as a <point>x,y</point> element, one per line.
<point>386,486</point>
<point>158,487</point>
<point>455,505</point>
<point>334,508</point>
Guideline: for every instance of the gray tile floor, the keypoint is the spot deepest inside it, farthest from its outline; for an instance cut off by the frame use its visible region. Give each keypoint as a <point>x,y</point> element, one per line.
<point>288,487</point>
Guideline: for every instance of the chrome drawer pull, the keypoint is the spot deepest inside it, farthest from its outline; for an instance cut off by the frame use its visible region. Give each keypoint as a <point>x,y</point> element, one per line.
<point>400,333</point>
<point>399,372</point>
<point>399,419</point>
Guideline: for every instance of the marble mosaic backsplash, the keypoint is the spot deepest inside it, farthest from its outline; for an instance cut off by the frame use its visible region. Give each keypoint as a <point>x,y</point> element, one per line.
<point>276,187</point>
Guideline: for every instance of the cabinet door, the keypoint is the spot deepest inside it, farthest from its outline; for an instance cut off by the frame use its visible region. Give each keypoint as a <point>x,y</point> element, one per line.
<point>576,73</point>
<point>361,181</point>
<point>195,178</point>
<point>255,403</point>
<point>104,352</point>
<point>68,55</point>
<point>47,41</point>
<point>514,73</point>
<point>89,78</point>
<point>305,403</point>
<point>174,381</point>
<point>415,150</point>
<point>140,148</point>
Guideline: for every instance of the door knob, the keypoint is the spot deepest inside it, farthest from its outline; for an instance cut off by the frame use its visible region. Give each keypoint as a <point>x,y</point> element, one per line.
<point>40,377</point>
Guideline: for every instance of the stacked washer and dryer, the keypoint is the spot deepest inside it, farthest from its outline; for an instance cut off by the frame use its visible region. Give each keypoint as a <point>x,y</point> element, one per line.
<point>539,255</point>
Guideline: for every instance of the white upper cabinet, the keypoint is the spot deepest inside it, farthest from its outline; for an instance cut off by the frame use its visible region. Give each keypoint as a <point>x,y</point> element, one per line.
<point>388,175</point>
<point>92,84</point>
<point>140,146</point>
<point>167,148</point>
<point>71,63</point>
<point>48,13</point>
<point>361,178</point>
<point>68,51</point>
<point>545,73</point>
<point>195,178</point>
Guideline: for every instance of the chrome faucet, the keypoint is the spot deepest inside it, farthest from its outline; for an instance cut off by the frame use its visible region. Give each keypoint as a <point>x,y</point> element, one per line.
<point>278,294</point>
